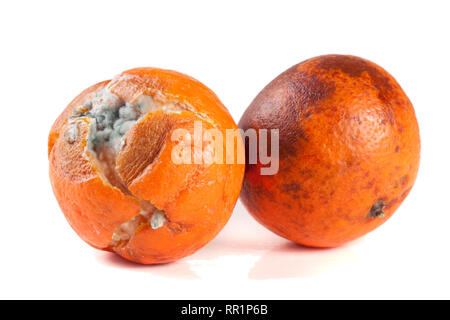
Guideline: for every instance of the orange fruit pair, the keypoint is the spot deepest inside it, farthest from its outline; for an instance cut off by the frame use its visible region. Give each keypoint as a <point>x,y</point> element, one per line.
<point>348,156</point>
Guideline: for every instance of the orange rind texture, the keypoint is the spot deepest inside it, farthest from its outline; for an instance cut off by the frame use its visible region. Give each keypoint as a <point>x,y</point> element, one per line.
<point>135,201</point>
<point>349,151</point>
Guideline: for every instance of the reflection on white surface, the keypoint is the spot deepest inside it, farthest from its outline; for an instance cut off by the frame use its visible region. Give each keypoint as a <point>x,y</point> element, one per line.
<point>245,250</point>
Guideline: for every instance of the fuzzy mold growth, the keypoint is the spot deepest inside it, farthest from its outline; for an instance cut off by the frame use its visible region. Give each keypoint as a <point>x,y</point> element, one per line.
<point>148,214</point>
<point>110,120</point>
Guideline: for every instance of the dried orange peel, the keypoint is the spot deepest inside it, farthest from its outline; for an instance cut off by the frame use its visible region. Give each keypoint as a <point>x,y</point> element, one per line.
<point>113,176</point>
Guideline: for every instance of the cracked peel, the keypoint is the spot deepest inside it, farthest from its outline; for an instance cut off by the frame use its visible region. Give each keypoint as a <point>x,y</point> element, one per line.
<point>125,195</point>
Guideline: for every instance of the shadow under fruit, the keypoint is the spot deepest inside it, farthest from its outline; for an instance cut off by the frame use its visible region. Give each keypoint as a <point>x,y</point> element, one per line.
<point>349,151</point>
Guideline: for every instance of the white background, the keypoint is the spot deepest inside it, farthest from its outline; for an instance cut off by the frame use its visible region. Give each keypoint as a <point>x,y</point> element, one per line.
<point>51,51</point>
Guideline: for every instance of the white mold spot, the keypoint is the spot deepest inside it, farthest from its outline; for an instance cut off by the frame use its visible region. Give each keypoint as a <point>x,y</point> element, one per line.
<point>157,220</point>
<point>71,133</point>
<point>106,98</point>
<point>111,118</point>
<point>126,230</point>
<point>128,113</point>
<point>145,103</point>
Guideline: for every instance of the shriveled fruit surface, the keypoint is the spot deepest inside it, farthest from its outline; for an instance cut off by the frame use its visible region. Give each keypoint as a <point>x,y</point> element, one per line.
<point>349,150</point>
<point>113,175</point>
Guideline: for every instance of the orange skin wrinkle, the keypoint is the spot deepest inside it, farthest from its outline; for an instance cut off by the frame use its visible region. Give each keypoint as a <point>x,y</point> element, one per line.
<point>348,138</point>
<point>199,199</point>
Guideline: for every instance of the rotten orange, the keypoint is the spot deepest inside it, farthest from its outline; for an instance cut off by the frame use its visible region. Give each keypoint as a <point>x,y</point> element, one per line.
<point>113,174</point>
<point>349,150</point>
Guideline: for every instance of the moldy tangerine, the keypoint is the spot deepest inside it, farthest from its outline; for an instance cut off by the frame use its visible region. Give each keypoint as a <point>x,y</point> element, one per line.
<point>112,173</point>
<point>349,151</point>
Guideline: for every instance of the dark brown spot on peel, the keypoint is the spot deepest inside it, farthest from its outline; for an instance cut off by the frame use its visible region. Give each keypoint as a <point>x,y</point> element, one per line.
<point>255,194</point>
<point>370,184</point>
<point>389,115</point>
<point>376,211</point>
<point>291,187</point>
<point>404,180</point>
<point>355,67</point>
<point>352,66</point>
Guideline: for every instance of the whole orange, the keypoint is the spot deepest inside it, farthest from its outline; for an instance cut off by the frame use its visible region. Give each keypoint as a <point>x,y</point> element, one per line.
<point>349,150</point>
<point>114,176</point>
